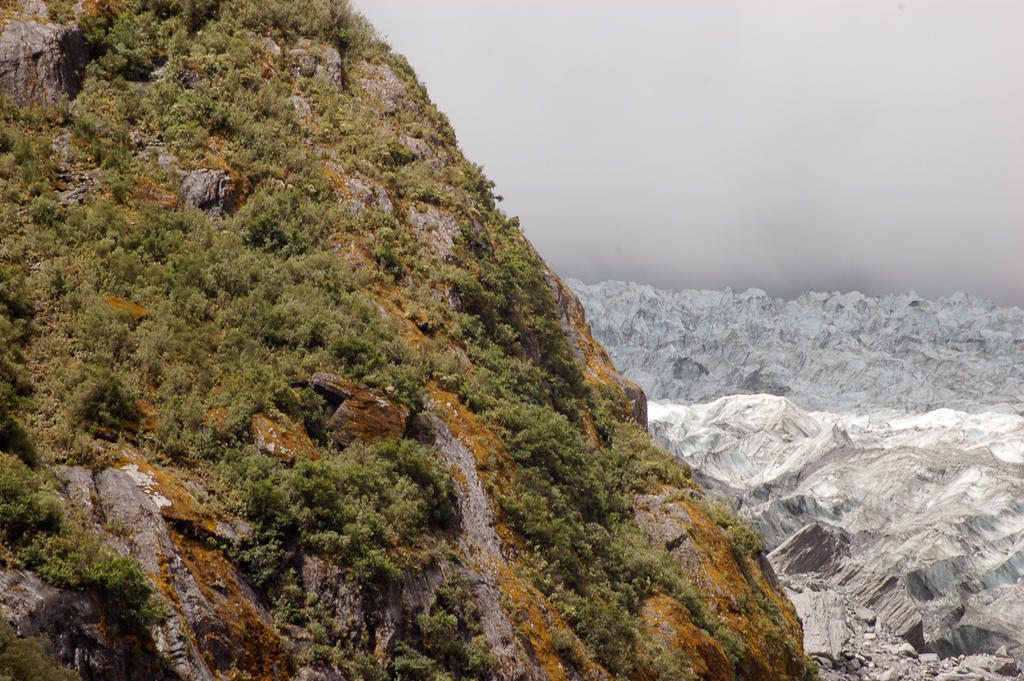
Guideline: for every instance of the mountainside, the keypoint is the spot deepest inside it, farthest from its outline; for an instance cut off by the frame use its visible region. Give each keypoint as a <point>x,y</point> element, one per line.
<point>283,394</point>
<point>825,351</point>
<point>882,504</point>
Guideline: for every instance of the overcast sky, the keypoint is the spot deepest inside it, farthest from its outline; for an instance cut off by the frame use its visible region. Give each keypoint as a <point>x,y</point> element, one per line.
<point>785,145</point>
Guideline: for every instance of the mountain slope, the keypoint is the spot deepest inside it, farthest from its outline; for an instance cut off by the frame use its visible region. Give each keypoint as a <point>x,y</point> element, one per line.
<point>285,395</point>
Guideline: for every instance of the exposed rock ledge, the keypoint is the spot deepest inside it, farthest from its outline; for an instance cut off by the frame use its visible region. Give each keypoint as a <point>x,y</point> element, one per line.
<point>40,62</point>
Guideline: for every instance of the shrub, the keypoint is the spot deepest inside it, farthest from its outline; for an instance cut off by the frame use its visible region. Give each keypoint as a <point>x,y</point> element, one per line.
<point>35,532</point>
<point>100,397</point>
<point>25,659</point>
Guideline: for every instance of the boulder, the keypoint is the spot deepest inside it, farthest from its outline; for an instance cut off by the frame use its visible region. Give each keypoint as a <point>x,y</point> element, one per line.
<point>361,194</point>
<point>322,63</point>
<point>865,615</point>
<point>825,630</point>
<point>384,87</point>
<point>40,63</point>
<point>208,190</point>
<point>332,388</point>
<point>283,440</point>
<point>368,415</point>
<point>437,227</point>
<point>360,413</point>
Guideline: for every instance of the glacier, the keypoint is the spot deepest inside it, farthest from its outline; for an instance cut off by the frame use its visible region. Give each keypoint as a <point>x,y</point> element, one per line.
<point>825,351</point>
<point>877,443</point>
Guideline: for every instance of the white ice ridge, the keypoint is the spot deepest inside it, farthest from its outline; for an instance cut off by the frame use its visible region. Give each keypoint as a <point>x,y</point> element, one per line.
<point>827,351</point>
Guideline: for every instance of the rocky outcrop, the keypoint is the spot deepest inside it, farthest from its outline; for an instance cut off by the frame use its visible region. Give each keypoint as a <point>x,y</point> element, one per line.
<point>40,62</point>
<point>283,440</point>
<point>437,228</point>
<point>674,519</point>
<point>384,87</point>
<point>357,192</point>
<point>852,644</point>
<point>359,413</point>
<point>78,626</point>
<point>368,415</point>
<point>323,63</point>
<point>209,190</point>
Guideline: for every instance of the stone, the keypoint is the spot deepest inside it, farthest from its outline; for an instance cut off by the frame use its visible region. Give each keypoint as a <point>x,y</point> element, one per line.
<point>283,440</point>
<point>825,630</point>
<point>989,663</point>
<point>40,63</point>
<point>361,194</point>
<point>332,388</point>
<point>303,112</point>
<point>906,650</point>
<point>865,615</point>
<point>319,673</point>
<point>437,227</point>
<point>368,415</point>
<point>476,513</point>
<point>323,63</point>
<point>384,87</point>
<point>331,69</point>
<point>420,150</point>
<point>208,190</point>
<point>1005,667</point>
<point>33,8</point>
<point>928,658</point>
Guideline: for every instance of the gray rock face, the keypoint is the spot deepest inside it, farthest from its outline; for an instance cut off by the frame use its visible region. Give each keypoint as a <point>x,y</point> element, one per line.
<point>208,190</point>
<point>826,351</point>
<point>39,62</point>
<point>384,87</point>
<point>825,630</point>
<point>438,228</point>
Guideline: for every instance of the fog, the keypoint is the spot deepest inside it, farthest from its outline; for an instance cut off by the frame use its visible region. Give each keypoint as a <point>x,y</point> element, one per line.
<point>791,145</point>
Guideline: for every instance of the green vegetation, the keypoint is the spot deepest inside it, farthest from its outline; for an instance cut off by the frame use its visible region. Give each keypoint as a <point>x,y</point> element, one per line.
<point>35,534</point>
<point>14,383</point>
<point>366,507</point>
<point>218,317</point>
<point>25,659</point>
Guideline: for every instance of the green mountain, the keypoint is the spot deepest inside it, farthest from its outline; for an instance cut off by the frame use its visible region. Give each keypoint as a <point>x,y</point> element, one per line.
<point>284,395</point>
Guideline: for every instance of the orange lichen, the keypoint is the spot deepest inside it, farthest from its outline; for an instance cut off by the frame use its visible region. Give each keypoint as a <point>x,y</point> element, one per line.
<point>183,507</point>
<point>283,438</point>
<point>148,191</point>
<point>670,623</point>
<point>255,650</point>
<point>135,310</point>
<point>736,592</point>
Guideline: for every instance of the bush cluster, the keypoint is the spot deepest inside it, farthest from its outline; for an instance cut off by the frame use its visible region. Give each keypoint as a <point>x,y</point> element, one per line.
<point>35,533</point>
